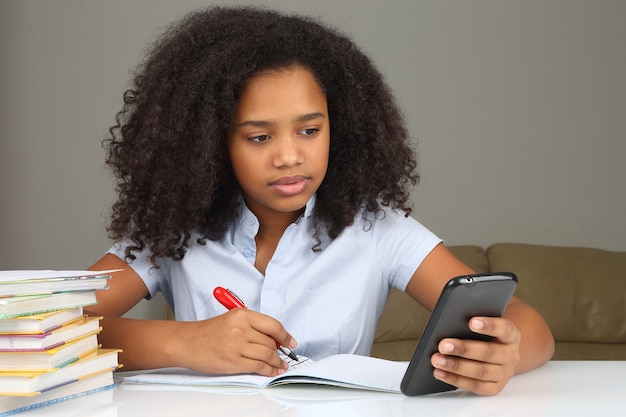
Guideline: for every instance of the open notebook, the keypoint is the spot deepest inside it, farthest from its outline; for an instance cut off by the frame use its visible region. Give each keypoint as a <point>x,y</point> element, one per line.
<point>344,370</point>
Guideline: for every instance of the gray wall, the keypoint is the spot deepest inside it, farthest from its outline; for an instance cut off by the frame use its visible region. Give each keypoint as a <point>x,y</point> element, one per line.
<point>519,108</point>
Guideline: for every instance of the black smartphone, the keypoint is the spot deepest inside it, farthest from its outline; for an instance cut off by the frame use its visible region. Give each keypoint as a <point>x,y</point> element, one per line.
<point>462,298</point>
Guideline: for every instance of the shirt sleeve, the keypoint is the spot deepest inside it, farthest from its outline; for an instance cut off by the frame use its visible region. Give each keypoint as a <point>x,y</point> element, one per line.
<point>151,276</point>
<point>402,243</point>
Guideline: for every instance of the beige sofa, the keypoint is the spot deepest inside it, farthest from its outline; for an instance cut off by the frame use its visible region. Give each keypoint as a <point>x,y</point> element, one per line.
<point>581,292</point>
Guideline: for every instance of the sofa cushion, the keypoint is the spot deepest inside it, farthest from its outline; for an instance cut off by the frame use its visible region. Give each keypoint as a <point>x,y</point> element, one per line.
<point>472,256</point>
<point>581,292</point>
<point>404,319</point>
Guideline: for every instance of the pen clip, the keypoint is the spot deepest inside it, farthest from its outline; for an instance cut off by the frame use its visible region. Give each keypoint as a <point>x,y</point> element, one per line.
<point>237,297</point>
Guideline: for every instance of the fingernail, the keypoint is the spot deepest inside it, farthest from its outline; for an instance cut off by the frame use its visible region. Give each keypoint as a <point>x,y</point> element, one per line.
<point>441,361</point>
<point>447,347</point>
<point>439,374</point>
<point>477,324</point>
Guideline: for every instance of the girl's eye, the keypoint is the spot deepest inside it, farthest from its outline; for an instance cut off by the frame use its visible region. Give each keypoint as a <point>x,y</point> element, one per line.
<point>309,132</point>
<point>259,138</point>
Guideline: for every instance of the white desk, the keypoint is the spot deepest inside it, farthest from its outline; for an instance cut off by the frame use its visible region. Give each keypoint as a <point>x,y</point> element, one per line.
<point>585,388</point>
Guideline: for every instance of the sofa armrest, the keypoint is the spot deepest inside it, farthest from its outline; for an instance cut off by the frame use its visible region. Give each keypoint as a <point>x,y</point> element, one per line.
<point>580,292</point>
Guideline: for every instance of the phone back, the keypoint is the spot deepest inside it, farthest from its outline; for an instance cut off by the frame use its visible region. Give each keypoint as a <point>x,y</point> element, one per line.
<point>462,298</point>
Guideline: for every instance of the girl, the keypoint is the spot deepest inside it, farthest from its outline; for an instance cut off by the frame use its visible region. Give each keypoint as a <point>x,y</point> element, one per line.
<point>264,153</point>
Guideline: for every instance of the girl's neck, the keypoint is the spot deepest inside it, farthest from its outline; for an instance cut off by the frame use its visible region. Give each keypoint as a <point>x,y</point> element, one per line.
<point>272,225</point>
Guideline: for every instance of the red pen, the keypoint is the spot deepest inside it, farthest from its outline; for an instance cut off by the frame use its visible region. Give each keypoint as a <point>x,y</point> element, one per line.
<point>230,300</point>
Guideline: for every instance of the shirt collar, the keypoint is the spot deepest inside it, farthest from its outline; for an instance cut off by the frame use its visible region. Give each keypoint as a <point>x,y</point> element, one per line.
<point>248,220</point>
<point>310,206</point>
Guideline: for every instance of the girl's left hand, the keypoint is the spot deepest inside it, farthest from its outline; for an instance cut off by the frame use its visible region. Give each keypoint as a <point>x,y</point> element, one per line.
<point>478,366</point>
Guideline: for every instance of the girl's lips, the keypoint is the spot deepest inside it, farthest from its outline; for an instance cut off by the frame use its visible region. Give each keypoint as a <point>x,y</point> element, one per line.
<point>289,186</point>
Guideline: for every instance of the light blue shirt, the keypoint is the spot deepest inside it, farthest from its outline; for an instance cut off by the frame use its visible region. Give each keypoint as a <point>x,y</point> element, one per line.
<point>329,301</point>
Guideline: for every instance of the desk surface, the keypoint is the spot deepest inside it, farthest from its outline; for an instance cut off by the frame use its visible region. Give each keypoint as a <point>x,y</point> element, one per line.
<point>559,388</point>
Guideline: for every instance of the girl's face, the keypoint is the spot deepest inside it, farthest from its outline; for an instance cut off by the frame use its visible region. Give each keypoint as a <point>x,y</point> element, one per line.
<point>279,141</point>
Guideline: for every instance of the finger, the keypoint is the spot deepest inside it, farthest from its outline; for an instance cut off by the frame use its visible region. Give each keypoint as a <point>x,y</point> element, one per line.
<point>242,339</point>
<point>502,329</point>
<point>475,350</point>
<point>244,356</point>
<point>247,326</point>
<point>478,366</point>
<point>483,371</point>
<point>477,386</point>
<point>262,360</point>
<point>274,329</point>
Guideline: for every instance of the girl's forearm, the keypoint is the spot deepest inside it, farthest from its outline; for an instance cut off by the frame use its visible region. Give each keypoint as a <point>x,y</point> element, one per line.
<point>145,343</point>
<point>537,342</point>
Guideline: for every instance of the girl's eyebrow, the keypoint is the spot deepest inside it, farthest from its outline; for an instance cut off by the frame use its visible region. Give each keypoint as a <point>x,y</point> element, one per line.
<point>311,116</point>
<point>264,123</point>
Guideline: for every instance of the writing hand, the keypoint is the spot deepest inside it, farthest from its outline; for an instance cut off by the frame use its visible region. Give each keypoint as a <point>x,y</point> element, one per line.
<point>230,300</point>
<point>238,341</point>
<point>482,367</point>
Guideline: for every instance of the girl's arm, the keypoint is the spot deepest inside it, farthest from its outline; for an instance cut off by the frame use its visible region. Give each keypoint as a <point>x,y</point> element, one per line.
<point>523,339</point>
<point>240,340</point>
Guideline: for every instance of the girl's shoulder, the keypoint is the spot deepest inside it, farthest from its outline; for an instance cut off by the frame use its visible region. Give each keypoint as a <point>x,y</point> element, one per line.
<point>387,221</point>
<point>383,216</point>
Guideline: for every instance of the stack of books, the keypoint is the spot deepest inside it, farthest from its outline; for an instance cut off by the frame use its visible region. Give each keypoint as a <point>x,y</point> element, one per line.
<point>49,351</point>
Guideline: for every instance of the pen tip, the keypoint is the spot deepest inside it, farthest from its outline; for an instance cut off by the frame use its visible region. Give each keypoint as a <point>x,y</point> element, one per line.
<point>288,352</point>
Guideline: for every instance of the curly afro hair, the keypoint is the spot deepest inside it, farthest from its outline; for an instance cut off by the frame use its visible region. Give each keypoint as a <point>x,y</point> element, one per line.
<point>168,147</point>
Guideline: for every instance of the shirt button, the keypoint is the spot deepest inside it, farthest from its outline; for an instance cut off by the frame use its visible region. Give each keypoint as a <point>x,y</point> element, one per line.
<point>247,253</point>
<point>251,222</point>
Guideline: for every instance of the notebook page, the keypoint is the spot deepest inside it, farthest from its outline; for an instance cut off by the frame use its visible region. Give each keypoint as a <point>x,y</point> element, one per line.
<point>302,361</point>
<point>349,371</point>
<point>183,376</point>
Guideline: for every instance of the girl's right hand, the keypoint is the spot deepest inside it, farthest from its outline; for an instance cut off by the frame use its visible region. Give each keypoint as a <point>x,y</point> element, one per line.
<point>238,341</point>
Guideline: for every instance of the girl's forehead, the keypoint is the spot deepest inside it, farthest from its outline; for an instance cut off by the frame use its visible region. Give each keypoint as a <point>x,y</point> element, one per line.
<point>287,93</point>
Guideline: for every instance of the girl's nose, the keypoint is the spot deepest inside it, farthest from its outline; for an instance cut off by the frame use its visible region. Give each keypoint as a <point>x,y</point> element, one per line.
<point>287,153</point>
